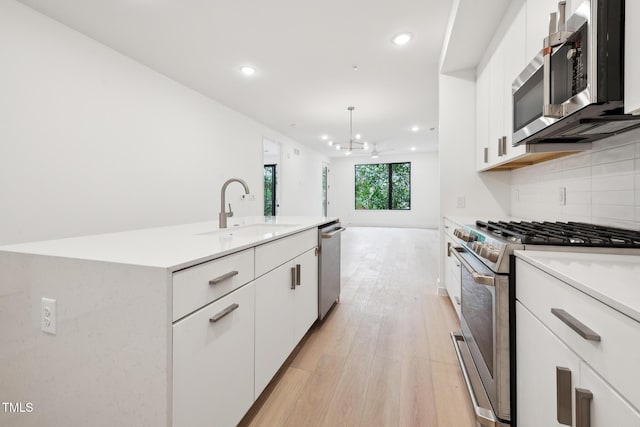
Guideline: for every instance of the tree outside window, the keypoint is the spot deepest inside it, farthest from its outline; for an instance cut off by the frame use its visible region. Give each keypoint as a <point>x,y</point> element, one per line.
<point>383,186</point>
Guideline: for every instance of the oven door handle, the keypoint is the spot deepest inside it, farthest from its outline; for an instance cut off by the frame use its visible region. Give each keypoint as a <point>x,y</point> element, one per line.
<point>484,416</point>
<point>477,277</point>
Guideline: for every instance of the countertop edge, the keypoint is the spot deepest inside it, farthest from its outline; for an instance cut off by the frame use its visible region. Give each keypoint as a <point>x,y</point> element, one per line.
<point>620,306</point>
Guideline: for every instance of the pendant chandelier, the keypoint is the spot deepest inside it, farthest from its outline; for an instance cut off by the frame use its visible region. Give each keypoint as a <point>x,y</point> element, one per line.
<point>354,144</point>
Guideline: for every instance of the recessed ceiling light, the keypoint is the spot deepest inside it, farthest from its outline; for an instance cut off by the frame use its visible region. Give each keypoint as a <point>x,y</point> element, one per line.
<point>355,67</point>
<point>413,148</point>
<point>415,128</point>
<point>358,136</point>
<point>402,39</point>
<point>337,146</point>
<point>247,70</point>
<point>324,137</point>
<point>348,152</point>
<point>330,143</point>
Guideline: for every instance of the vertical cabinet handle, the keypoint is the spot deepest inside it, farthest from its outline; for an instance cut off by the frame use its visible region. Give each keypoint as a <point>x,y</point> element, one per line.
<point>448,248</point>
<point>583,407</point>
<point>293,277</point>
<point>563,396</point>
<point>486,154</point>
<point>298,269</point>
<point>504,145</point>
<point>500,147</point>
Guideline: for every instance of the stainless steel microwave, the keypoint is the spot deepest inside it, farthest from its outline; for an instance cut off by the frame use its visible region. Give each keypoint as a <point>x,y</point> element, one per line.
<point>572,91</point>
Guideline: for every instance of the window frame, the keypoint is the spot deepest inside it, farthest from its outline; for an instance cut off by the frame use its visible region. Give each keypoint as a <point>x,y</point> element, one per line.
<point>390,185</point>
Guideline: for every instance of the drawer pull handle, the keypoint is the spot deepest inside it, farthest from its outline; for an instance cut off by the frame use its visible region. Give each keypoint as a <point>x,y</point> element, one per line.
<point>293,277</point>
<point>583,407</point>
<point>563,396</point>
<point>583,330</point>
<point>223,313</point>
<point>298,274</point>
<point>223,277</point>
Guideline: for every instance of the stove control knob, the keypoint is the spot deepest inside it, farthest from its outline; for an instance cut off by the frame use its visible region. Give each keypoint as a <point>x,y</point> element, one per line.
<point>493,255</point>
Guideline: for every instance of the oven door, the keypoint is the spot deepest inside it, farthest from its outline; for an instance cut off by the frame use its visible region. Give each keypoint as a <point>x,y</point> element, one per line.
<point>484,323</point>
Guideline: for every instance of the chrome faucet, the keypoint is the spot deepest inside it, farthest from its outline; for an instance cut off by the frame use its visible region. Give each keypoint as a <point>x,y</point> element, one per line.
<point>223,214</point>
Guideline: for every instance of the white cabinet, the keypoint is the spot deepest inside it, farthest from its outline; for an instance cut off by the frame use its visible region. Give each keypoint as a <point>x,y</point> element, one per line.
<point>482,117</point>
<point>537,24</point>
<point>514,62</point>
<point>632,58</point>
<point>543,360</point>
<point>539,356</point>
<point>560,327</point>
<point>213,362</point>
<point>286,306</point>
<point>451,267</point>
<point>494,104</point>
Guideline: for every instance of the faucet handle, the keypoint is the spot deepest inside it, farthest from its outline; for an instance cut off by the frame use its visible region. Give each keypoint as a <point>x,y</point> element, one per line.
<point>230,211</point>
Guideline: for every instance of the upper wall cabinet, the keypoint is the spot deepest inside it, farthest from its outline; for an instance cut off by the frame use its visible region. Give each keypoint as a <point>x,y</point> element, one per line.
<point>538,24</point>
<point>494,121</point>
<point>632,58</point>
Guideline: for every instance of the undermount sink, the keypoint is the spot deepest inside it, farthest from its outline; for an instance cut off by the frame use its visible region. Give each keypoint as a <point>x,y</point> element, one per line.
<point>252,230</point>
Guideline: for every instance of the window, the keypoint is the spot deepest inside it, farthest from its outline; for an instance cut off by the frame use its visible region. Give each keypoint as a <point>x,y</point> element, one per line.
<point>269,190</point>
<point>383,186</point>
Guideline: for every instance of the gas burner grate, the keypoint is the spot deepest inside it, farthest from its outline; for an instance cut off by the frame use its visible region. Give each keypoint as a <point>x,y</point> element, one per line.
<point>562,233</point>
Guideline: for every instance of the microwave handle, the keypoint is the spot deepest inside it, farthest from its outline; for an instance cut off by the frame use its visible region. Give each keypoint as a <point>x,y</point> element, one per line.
<point>549,109</point>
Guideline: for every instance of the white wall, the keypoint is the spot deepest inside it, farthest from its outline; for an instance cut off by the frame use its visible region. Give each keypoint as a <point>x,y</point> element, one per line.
<point>92,141</point>
<point>425,208</point>
<point>602,185</point>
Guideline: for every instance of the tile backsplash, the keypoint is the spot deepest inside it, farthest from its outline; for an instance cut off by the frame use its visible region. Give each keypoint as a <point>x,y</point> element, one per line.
<point>601,186</point>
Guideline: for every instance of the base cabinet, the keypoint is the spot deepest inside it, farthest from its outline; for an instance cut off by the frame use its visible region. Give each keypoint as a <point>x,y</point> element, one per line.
<point>213,362</point>
<point>286,307</point>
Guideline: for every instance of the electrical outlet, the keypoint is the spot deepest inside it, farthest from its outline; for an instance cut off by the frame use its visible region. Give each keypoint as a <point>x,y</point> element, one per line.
<point>48,315</point>
<point>460,202</point>
<point>562,196</point>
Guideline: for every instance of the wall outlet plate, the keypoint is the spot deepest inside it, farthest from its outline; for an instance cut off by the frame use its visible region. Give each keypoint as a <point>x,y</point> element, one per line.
<point>48,316</point>
<point>460,201</point>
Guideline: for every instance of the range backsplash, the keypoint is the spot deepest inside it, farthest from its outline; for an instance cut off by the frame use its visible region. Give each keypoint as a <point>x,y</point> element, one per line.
<point>601,186</point>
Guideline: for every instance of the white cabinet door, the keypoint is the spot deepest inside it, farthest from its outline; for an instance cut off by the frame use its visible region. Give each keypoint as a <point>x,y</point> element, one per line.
<point>496,103</point>
<point>213,362</point>
<point>539,355</point>
<point>632,57</point>
<point>306,294</point>
<point>452,275</point>
<point>514,61</point>
<point>607,408</point>
<point>482,117</point>
<point>538,24</point>
<point>274,331</point>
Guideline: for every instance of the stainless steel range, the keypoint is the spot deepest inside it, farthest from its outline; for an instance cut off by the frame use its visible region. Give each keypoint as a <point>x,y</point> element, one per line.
<point>487,322</point>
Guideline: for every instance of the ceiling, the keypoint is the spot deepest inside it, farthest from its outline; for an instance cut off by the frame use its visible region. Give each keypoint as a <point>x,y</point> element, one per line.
<point>303,51</point>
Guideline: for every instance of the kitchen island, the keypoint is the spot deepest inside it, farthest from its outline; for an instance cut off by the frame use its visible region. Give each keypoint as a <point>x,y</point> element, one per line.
<point>122,344</point>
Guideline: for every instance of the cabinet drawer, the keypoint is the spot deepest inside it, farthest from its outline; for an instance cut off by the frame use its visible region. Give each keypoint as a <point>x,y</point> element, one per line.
<point>276,253</point>
<point>615,357</point>
<point>192,288</point>
<point>213,365</point>
<point>449,226</point>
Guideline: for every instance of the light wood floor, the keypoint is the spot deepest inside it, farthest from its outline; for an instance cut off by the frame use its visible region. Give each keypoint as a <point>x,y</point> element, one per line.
<point>383,357</point>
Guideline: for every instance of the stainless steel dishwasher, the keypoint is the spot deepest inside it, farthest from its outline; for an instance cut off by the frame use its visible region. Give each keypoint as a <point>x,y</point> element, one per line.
<point>328,267</point>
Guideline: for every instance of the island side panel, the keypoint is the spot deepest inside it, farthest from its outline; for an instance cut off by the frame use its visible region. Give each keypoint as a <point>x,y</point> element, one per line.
<point>109,362</point>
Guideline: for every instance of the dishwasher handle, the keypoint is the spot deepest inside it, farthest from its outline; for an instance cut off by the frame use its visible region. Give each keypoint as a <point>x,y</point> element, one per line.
<point>332,233</point>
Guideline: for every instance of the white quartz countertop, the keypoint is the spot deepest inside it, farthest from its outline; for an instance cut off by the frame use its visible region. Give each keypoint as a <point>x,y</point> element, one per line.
<point>612,279</point>
<point>173,247</point>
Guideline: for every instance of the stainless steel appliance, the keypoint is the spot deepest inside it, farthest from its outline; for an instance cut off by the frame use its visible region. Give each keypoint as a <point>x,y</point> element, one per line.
<point>572,91</point>
<point>328,267</point>
<point>485,251</point>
